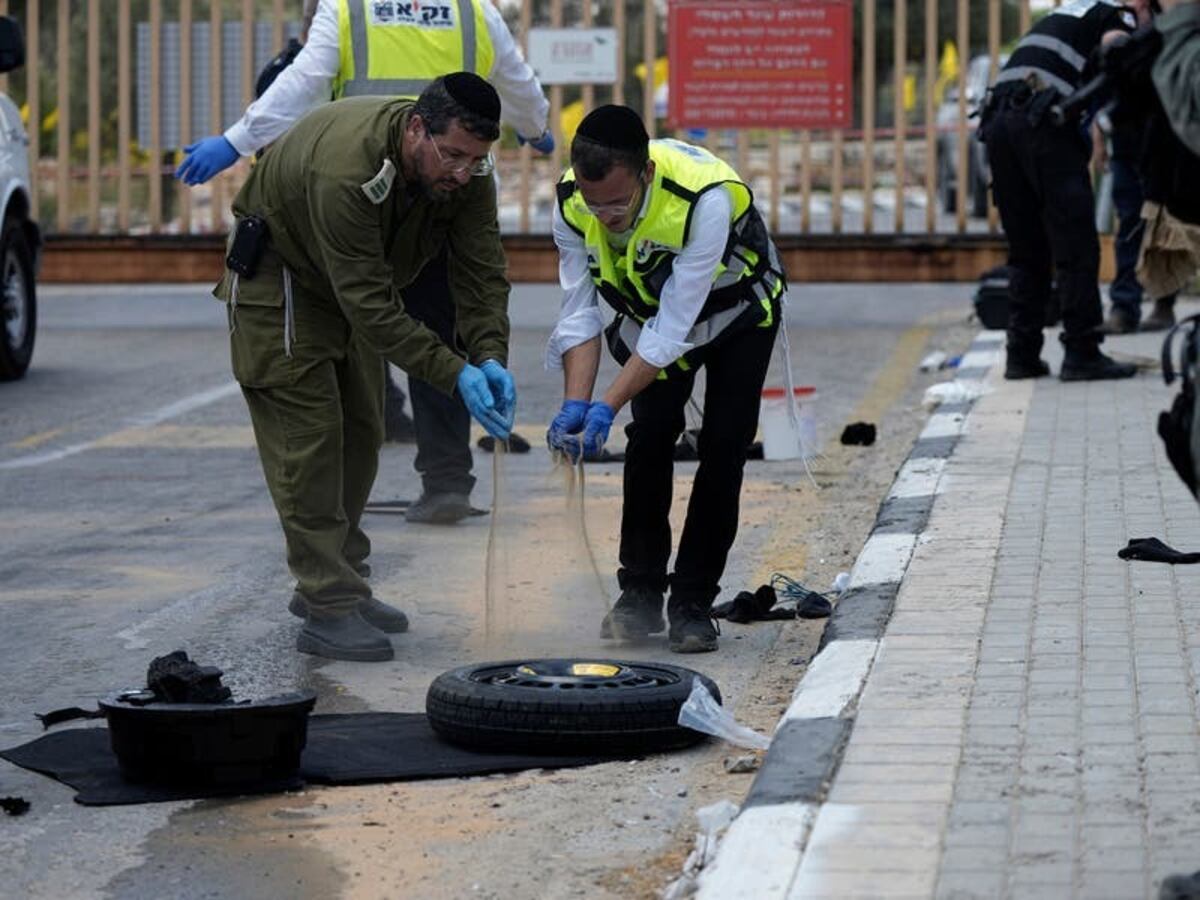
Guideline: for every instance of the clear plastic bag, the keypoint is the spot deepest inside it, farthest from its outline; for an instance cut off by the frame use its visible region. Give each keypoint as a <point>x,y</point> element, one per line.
<point>701,712</point>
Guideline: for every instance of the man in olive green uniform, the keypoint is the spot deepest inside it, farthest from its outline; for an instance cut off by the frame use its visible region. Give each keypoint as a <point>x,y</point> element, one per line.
<point>356,198</point>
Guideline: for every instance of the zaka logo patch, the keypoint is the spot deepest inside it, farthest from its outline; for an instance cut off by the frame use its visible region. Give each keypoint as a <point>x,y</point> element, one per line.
<point>412,12</point>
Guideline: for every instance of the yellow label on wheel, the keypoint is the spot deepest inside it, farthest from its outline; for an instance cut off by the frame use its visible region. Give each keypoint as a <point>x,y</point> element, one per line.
<point>599,670</point>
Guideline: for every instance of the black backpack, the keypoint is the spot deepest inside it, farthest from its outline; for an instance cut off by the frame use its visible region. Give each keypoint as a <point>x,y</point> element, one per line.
<point>1175,425</point>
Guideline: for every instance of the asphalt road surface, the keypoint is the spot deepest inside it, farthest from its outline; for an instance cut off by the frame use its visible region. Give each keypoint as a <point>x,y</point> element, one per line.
<point>135,521</point>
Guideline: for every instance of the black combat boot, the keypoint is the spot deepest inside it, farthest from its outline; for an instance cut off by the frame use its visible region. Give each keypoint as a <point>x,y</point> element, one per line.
<point>693,629</point>
<point>346,636</point>
<point>382,615</point>
<point>1017,369</point>
<point>1092,365</point>
<point>637,613</point>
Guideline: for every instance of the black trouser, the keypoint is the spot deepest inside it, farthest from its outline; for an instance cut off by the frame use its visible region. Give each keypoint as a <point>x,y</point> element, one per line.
<point>442,423</point>
<point>736,369</point>
<point>1044,193</point>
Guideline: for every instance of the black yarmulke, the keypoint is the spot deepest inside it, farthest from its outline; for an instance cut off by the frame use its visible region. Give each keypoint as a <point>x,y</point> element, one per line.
<point>618,127</point>
<point>470,91</point>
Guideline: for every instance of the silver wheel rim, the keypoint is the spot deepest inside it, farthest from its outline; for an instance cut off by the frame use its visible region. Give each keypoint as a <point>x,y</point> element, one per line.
<point>16,318</point>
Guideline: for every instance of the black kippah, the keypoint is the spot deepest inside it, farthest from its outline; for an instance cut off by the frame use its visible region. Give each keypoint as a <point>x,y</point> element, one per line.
<point>471,92</point>
<point>618,127</point>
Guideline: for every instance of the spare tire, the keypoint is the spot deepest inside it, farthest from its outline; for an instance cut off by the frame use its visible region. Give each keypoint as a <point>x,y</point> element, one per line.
<point>585,706</point>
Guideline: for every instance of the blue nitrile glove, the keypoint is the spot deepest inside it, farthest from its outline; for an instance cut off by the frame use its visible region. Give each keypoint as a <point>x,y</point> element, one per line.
<point>206,158</point>
<point>565,427</point>
<point>474,390</point>
<point>596,426</point>
<point>504,391</point>
<point>544,144</point>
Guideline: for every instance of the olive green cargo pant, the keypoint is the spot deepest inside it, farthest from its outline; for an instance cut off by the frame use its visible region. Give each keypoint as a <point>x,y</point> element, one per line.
<point>316,403</point>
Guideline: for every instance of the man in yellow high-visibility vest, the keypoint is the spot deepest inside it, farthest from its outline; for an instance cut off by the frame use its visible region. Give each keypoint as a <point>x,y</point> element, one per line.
<point>667,235</point>
<point>396,48</point>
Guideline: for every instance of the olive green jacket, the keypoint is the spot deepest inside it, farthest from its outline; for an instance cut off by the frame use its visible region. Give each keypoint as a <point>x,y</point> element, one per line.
<point>343,222</point>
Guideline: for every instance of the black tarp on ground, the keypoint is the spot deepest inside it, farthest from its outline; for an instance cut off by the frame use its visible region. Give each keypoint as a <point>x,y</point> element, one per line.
<point>357,748</point>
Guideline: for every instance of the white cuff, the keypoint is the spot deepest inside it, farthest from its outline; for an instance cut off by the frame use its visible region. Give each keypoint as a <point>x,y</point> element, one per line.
<point>658,350</point>
<point>571,331</point>
<point>238,135</point>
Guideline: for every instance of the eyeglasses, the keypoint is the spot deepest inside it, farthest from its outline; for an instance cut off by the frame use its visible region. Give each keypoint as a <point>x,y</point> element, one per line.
<point>457,165</point>
<point>621,207</point>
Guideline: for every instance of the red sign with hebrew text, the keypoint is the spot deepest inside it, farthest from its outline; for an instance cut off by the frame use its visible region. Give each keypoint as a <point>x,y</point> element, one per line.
<point>760,64</point>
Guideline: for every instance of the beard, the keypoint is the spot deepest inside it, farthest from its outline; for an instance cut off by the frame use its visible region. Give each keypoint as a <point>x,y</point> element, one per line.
<point>438,188</point>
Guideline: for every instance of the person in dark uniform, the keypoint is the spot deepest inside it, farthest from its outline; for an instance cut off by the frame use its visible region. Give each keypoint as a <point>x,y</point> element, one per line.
<point>1043,190</point>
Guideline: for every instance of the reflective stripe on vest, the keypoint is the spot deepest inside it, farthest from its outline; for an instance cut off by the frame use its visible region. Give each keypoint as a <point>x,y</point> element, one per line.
<point>399,53</point>
<point>631,280</point>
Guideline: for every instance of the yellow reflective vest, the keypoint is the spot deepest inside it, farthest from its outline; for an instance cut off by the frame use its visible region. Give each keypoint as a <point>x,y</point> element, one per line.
<point>396,47</point>
<point>747,283</point>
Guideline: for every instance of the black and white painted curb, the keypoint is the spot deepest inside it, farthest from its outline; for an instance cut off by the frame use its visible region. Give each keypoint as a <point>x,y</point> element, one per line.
<point>762,849</point>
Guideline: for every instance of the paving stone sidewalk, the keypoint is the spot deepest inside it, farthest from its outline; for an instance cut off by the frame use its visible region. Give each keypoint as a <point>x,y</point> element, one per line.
<point>1029,726</point>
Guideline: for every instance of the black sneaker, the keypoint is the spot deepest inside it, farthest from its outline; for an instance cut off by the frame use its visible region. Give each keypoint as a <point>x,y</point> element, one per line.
<point>693,629</point>
<point>1094,367</point>
<point>636,614</point>
<point>1016,369</point>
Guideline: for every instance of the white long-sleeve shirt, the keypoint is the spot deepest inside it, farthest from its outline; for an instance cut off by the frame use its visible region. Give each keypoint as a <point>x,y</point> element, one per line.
<point>663,338</point>
<point>308,81</point>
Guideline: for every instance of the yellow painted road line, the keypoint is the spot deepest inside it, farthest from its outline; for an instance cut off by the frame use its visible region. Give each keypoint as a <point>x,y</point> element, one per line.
<point>36,440</point>
<point>182,437</point>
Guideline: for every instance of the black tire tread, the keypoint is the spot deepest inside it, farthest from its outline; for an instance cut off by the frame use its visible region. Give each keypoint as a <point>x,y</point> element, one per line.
<point>512,718</point>
<point>15,360</point>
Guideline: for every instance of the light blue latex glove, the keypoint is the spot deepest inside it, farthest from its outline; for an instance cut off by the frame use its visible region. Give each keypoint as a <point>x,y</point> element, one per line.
<point>474,390</point>
<point>504,390</point>
<point>565,427</point>
<point>596,425</point>
<point>206,158</point>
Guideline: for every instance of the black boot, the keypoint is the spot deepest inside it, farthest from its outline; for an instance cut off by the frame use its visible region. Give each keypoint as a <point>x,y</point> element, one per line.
<point>347,636</point>
<point>637,613</point>
<point>382,615</point>
<point>1024,357</point>
<point>1092,365</point>
<point>693,629</point>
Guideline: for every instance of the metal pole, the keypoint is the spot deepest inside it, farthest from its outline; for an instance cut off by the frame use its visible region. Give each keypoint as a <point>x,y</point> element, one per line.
<point>62,76</point>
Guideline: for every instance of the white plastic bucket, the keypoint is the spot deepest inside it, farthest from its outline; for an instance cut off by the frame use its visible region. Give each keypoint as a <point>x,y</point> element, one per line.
<point>780,439</point>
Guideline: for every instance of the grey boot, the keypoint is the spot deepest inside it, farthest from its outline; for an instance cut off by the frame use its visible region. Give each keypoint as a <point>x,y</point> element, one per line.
<point>382,615</point>
<point>440,509</point>
<point>1162,316</point>
<point>348,636</point>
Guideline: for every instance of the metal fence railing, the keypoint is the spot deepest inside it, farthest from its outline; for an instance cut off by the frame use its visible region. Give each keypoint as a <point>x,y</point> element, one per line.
<point>106,125</point>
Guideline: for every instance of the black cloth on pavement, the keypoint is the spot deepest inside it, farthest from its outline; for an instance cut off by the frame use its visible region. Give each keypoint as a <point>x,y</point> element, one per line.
<point>1151,549</point>
<point>67,714</point>
<point>355,748</point>
<point>860,433</point>
<point>760,607</point>
<point>176,679</point>
<point>1180,887</point>
<point>14,806</point>
<point>516,444</point>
